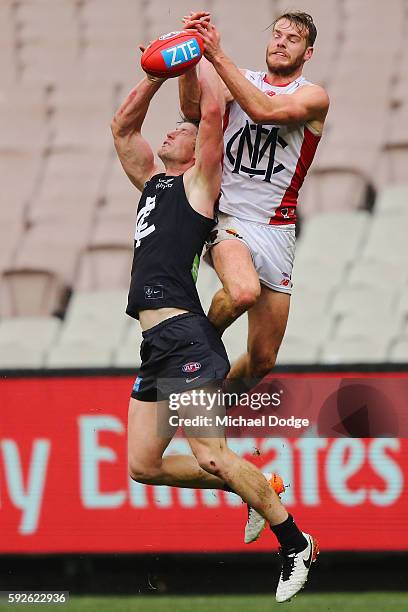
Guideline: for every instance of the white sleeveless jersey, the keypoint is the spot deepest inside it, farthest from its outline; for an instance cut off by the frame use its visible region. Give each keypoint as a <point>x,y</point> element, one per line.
<point>264,165</point>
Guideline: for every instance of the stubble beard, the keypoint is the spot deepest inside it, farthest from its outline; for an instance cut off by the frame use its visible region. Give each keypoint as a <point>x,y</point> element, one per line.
<point>286,71</point>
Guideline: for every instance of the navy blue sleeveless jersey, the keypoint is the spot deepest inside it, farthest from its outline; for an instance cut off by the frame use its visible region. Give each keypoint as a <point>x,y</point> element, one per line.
<point>169,239</point>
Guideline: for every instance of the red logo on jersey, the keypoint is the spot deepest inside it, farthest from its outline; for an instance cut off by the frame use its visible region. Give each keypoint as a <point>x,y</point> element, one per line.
<point>270,93</point>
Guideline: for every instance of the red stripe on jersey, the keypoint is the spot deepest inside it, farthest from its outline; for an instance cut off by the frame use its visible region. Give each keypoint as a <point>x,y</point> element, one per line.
<point>225,123</point>
<point>265,79</point>
<point>225,120</point>
<point>286,212</point>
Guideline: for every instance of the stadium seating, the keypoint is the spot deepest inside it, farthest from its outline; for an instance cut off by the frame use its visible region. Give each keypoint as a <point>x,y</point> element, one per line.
<point>24,341</point>
<point>127,354</point>
<point>94,326</point>
<point>230,21</point>
<point>235,338</point>
<point>107,258</point>
<point>354,350</point>
<point>399,351</point>
<point>393,200</point>
<point>296,350</point>
<point>67,210</point>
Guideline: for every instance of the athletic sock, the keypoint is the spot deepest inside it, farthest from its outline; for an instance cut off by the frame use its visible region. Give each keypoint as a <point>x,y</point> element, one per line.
<point>289,535</point>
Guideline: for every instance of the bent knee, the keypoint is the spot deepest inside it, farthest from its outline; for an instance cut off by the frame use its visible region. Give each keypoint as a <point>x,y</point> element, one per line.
<point>243,298</point>
<point>140,471</point>
<point>261,364</point>
<point>213,463</point>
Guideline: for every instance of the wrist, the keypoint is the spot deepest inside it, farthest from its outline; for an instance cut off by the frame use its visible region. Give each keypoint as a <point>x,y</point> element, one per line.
<point>154,80</point>
<point>218,59</point>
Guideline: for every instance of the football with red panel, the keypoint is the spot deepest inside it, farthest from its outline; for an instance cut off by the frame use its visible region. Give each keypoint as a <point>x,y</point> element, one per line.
<point>172,54</point>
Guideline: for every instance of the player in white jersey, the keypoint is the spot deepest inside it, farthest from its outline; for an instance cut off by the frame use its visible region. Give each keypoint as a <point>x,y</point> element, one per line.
<point>272,125</point>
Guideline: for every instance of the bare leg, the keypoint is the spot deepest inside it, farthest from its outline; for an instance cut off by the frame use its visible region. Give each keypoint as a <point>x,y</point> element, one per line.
<point>267,321</point>
<point>145,450</point>
<point>233,264</point>
<point>241,476</point>
<point>213,464</point>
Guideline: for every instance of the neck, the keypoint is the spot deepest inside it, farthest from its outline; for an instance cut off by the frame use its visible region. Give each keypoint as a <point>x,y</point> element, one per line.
<point>175,169</point>
<point>278,79</point>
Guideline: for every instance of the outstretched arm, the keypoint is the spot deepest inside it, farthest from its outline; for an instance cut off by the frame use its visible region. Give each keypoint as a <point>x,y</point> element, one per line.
<point>310,103</point>
<point>135,154</point>
<point>203,180</point>
<point>189,86</point>
<point>189,94</point>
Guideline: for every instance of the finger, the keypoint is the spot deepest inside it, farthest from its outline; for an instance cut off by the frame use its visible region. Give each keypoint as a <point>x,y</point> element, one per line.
<point>200,25</point>
<point>192,31</point>
<point>197,17</point>
<point>198,22</point>
<point>199,14</point>
<point>190,25</point>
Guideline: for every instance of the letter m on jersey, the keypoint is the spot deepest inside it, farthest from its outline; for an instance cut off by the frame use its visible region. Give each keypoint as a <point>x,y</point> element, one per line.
<point>248,147</point>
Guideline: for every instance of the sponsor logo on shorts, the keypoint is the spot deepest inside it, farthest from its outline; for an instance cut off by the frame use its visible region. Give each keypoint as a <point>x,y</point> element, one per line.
<point>191,367</point>
<point>286,281</point>
<point>234,233</point>
<point>189,380</point>
<point>153,292</point>
<point>137,384</point>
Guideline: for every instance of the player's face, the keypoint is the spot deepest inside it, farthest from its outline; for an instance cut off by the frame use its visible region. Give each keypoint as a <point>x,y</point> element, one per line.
<point>287,50</point>
<point>179,144</point>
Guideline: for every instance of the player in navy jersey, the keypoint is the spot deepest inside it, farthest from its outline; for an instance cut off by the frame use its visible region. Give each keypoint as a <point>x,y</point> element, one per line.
<point>181,349</point>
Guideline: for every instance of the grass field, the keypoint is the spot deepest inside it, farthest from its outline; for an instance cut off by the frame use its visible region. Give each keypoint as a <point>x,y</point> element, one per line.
<point>327,602</point>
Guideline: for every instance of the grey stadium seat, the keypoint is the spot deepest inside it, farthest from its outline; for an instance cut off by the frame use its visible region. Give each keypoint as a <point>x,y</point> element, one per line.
<point>24,341</point>
<point>354,350</point>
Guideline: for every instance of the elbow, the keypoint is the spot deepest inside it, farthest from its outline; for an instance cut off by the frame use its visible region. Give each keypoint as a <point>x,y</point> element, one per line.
<point>281,117</point>
<point>118,129</point>
<point>211,113</point>
<point>256,116</point>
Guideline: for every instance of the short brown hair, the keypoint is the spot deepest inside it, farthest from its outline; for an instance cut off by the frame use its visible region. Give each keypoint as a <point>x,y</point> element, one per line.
<point>195,122</point>
<point>303,22</point>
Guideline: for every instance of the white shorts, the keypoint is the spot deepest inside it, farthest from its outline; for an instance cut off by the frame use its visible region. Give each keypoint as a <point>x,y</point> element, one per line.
<point>272,248</point>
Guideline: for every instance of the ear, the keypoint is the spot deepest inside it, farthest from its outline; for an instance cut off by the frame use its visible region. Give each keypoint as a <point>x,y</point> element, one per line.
<point>308,53</point>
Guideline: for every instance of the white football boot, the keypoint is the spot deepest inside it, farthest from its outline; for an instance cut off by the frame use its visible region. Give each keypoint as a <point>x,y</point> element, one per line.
<point>295,569</point>
<point>256,523</point>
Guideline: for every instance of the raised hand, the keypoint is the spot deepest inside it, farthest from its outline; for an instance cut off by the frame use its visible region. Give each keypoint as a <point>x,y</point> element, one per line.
<point>194,18</point>
<point>211,38</point>
<point>151,77</point>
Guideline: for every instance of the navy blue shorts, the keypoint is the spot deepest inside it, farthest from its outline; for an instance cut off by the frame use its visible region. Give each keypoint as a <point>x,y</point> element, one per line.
<point>181,353</point>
